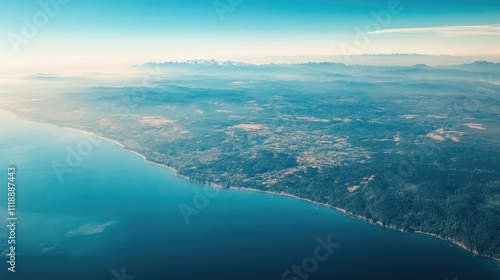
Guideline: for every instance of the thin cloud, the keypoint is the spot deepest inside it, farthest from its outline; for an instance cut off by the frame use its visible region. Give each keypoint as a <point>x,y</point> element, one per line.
<point>90,229</point>
<point>447,31</point>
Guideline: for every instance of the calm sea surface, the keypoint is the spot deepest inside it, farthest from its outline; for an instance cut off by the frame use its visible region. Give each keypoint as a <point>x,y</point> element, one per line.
<point>109,215</point>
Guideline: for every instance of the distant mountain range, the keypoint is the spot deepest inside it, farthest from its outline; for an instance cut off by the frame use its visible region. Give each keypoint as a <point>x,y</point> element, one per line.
<point>469,70</point>
<point>201,62</point>
<point>479,66</point>
<point>474,66</point>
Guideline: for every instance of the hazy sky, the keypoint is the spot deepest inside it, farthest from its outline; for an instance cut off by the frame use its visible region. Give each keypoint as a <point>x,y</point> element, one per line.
<point>103,32</point>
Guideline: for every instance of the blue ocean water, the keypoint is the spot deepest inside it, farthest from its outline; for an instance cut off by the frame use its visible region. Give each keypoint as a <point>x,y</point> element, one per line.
<point>110,215</point>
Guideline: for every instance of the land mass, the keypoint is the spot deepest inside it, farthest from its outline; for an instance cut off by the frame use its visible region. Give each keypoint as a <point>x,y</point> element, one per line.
<point>410,148</point>
<point>344,211</point>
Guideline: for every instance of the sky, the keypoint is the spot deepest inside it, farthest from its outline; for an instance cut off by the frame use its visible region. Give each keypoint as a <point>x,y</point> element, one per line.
<point>96,33</point>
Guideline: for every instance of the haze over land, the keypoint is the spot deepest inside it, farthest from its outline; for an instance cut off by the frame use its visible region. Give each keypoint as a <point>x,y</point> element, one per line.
<point>412,148</point>
<point>386,110</point>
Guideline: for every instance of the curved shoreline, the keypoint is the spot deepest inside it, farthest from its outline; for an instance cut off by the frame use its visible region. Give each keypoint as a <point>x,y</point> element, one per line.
<point>132,151</point>
<point>341,210</point>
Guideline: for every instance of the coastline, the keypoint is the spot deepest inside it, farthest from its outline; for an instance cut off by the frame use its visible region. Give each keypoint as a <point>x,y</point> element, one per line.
<point>131,151</point>
<point>341,210</point>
